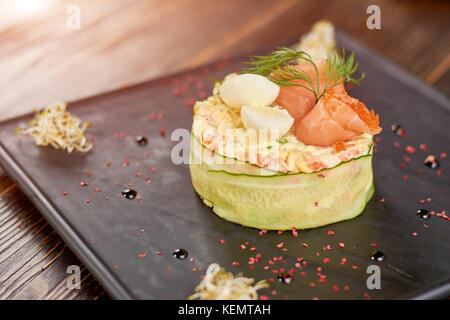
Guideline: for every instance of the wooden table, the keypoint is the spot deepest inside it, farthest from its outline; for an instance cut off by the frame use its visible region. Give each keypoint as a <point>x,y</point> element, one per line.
<point>41,60</point>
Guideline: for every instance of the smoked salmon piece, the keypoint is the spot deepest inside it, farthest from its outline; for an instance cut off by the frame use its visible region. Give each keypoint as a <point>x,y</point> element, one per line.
<point>299,101</point>
<point>336,117</point>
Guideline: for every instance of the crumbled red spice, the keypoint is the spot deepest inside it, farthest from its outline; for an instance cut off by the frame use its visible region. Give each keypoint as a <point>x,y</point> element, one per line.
<point>162,131</point>
<point>200,85</point>
<point>382,200</point>
<point>177,92</point>
<point>235,263</point>
<point>354,267</point>
<point>343,261</point>
<point>280,245</point>
<point>116,266</point>
<point>423,146</point>
<point>305,245</point>
<point>443,155</point>
<point>88,200</point>
<point>152,169</point>
<point>279,232</point>
<point>64,193</point>
<point>263,231</point>
<point>414,234</point>
<point>316,203</point>
<point>83,183</point>
<point>243,247</point>
<point>189,102</point>
<point>142,255</point>
<point>326,260</point>
<point>405,177</point>
<point>373,244</point>
<point>202,95</point>
<point>191,259</point>
<point>341,245</point>
<point>149,181</point>
<point>335,288</point>
<point>138,174</point>
<point>330,232</point>
<point>159,253</point>
<point>263,297</point>
<point>138,198</point>
<point>222,241</point>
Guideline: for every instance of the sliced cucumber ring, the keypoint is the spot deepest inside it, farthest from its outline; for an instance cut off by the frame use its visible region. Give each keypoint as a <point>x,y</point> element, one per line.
<point>256,197</point>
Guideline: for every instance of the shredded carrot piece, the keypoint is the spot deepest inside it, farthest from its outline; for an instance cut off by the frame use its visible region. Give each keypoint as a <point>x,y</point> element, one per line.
<point>339,146</point>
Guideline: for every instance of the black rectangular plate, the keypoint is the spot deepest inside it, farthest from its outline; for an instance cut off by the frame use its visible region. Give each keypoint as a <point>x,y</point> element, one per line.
<point>106,234</point>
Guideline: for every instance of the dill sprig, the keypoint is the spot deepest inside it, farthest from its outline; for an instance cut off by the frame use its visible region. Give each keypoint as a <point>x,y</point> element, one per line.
<point>278,68</point>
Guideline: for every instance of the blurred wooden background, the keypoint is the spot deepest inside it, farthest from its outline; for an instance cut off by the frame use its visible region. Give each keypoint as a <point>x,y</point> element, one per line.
<point>122,42</point>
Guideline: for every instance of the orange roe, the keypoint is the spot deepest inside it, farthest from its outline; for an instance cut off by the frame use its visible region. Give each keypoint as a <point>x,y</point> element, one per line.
<point>368,117</point>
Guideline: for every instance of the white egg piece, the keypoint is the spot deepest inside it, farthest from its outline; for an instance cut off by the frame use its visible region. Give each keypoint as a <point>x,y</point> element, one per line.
<point>248,89</point>
<point>265,117</point>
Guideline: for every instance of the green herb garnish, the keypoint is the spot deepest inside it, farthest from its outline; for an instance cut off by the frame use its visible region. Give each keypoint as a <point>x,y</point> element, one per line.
<point>277,68</point>
<point>282,141</point>
<point>213,79</point>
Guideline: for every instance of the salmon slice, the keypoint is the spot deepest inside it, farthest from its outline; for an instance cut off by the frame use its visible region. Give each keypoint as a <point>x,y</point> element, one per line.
<point>299,101</point>
<point>336,117</point>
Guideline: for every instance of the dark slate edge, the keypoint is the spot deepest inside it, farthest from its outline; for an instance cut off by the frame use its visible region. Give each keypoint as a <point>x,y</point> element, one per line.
<point>47,208</point>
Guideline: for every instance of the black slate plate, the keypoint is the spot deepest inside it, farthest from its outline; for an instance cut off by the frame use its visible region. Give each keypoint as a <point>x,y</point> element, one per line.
<point>106,236</point>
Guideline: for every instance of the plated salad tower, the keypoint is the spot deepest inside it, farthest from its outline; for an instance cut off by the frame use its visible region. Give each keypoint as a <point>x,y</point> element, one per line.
<point>281,144</point>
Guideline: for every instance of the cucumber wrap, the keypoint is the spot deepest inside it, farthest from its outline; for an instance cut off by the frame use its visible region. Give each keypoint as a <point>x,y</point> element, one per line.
<point>256,197</point>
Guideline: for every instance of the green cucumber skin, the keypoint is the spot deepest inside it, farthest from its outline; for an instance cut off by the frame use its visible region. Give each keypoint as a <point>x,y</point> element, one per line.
<point>282,202</point>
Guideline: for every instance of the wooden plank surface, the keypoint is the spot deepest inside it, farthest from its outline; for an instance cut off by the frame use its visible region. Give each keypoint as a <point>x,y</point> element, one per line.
<point>129,41</point>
